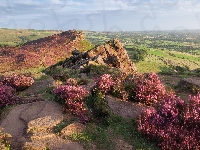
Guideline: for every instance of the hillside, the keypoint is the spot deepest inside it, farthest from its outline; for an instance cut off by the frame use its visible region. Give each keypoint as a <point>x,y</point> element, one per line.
<point>42,52</point>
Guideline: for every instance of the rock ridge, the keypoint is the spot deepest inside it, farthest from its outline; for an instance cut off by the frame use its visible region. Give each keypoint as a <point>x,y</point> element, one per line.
<point>111,53</point>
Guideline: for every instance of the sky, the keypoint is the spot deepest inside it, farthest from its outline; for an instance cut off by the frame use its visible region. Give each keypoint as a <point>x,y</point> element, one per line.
<point>100,15</point>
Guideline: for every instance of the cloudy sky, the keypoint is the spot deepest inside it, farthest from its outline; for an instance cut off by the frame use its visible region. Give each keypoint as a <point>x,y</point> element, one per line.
<point>100,15</point>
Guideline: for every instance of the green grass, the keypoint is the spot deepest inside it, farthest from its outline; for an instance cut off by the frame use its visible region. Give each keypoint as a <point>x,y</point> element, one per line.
<point>47,93</point>
<point>185,56</point>
<point>103,136</point>
<point>7,108</point>
<point>152,63</point>
<point>147,67</point>
<point>58,128</point>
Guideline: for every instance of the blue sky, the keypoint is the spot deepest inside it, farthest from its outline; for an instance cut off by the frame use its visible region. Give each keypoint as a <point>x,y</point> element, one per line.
<point>100,15</point>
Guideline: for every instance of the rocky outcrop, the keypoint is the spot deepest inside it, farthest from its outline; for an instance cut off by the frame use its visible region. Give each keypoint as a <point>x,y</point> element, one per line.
<point>43,52</point>
<point>193,81</point>
<point>31,127</point>
<point>191,84</point>
<point>111,53</point>
<point>124,108</point>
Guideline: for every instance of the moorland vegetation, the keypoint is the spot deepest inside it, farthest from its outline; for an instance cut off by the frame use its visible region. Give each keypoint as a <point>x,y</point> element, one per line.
<point>167,121</point>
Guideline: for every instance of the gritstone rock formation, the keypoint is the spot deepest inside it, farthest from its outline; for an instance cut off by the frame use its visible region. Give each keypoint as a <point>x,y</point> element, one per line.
<point>111,53</point>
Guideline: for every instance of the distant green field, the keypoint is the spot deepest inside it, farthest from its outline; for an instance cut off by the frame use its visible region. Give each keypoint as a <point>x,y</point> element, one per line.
<point>158,59</point>
<point>13,37</point>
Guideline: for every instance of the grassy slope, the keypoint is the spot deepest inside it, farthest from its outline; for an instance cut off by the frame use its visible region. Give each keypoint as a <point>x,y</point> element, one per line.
<point>152,63</point>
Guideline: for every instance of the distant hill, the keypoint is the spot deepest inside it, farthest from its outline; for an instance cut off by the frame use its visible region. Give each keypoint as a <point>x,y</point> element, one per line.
<point>14,37</point>
<point>42,52</point>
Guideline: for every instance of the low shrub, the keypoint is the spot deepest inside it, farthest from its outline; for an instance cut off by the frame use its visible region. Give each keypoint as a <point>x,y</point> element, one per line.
<point>19,82</point>
<point>98,105</point>
<point>104,83</point>
<point>7,96</point>
<point>73,99</point>
<point>59,73</point>
<point>123,87</point>
<point>144,88</point>
<point>148,88</point>
<point>174,123</point>
<point>71,81</point>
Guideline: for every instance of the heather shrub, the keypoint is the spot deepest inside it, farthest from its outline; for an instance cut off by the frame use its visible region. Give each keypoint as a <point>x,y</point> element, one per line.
<point>19,82</point>
<point>173,123</point>
<point>7,96</point>
<point>73,100</point>
<point>104,83</point>
<point>96,101</point>
<point>148,88</point>
<point>144,88</point>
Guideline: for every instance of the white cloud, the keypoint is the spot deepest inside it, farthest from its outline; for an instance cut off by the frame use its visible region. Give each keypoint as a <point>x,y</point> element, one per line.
<point>100,12</point>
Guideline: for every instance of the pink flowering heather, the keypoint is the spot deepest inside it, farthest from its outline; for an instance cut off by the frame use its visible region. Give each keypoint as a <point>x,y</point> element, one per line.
<point>19,82</point>
<point>73,97</point>
<point>7,96</point>
<point>104,83</point>
<point>174,124</point>
<point>149,89</point>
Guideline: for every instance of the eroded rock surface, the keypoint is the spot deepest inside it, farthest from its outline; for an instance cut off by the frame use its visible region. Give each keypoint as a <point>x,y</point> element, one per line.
<point>31,126</point>
<point>124,108</point>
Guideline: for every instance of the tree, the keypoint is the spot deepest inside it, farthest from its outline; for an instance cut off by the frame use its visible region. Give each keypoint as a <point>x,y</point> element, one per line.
<point>137,54</point>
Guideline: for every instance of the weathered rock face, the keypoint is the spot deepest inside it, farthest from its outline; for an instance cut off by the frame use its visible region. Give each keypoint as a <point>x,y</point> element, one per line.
<point>43,52</point>
<point>112,54</point>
